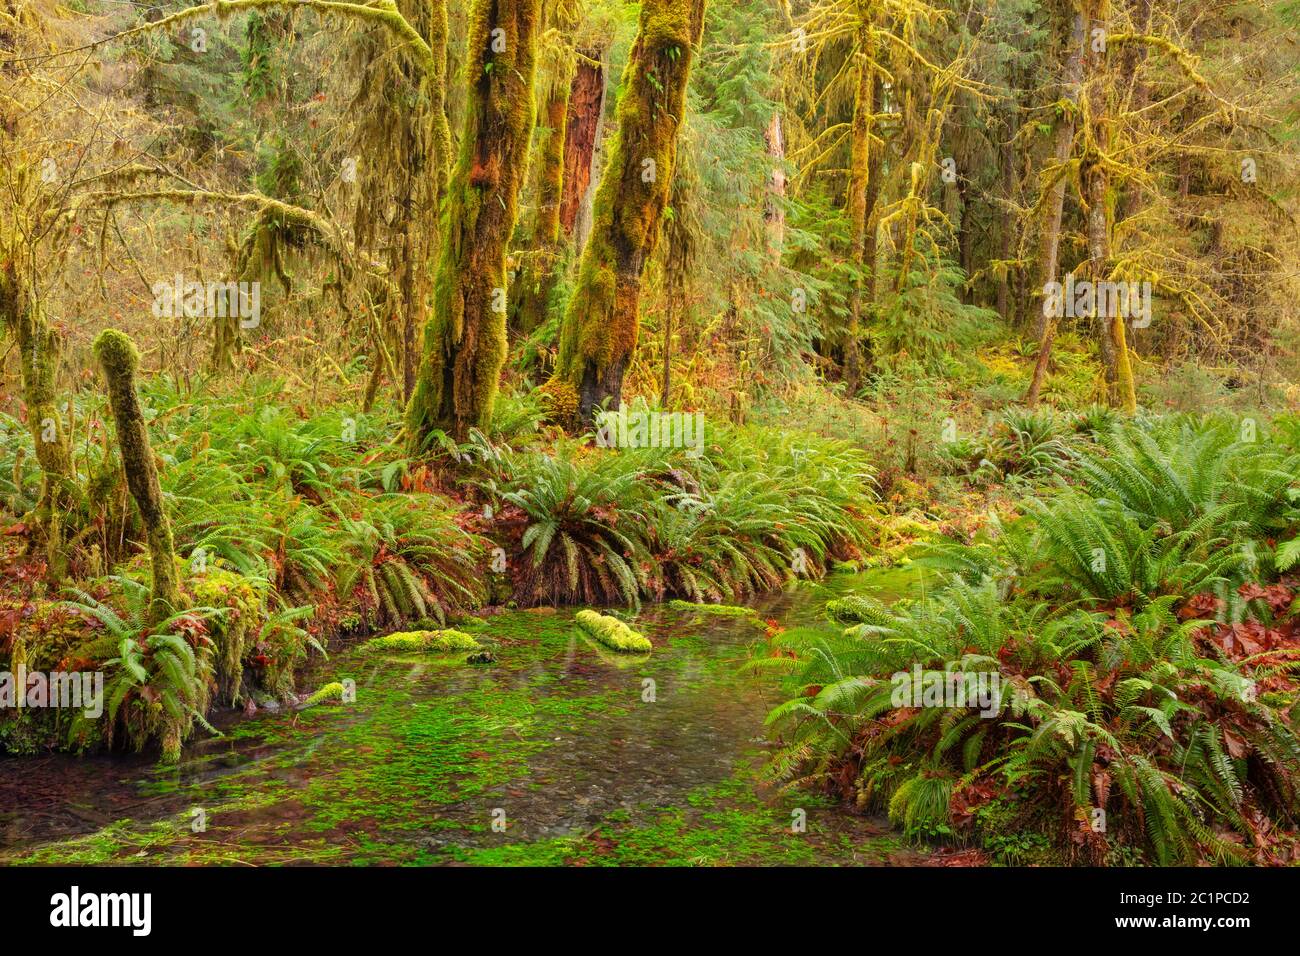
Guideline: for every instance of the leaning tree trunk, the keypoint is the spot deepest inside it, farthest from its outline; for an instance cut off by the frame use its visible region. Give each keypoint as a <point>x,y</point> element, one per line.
<point>39,348</point>
<point>465,338</point>
<point>1053,209</point>
<point>600,328</point>
<point>119,359</point>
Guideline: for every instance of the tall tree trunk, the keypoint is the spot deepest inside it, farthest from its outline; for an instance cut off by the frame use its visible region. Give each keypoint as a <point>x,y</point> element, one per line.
<point>1053,208</point>
<point>1096,181</point>
<point>601,325</point>
<point>465,337</point>
<point>1007,239</point>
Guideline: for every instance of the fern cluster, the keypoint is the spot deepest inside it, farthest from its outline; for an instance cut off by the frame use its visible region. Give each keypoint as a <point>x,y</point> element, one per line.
<point>1127,721</point>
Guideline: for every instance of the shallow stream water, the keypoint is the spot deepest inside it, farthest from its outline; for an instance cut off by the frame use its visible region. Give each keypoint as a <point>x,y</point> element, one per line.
<point>559,753</point>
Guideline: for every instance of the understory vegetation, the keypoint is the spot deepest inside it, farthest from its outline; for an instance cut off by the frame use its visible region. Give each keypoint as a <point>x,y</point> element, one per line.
<point>1139,619</point>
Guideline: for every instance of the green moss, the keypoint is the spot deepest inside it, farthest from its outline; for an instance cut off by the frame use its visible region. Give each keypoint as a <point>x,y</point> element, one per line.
<point>422,642</point>
<point>601,324</point>
<point>613,633</point>
<point>330,693</point>
<point>719,610</point>
<point>230,632</point>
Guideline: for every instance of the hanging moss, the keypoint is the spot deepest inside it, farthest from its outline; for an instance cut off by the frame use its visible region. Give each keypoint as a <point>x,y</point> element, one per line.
<point>601,324</point>
<point>119,359</point>
<point>465,337</point>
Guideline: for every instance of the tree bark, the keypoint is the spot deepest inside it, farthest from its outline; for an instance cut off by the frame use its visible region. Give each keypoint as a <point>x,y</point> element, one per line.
<point>859,176</point>
<point>773,209</point>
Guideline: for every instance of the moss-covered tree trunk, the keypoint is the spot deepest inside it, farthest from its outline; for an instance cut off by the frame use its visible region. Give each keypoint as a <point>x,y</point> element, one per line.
<point>39,348</point>
<point>465,337</point>
<point>119,359</point>
<point>601,325</point>
<point>538,275</point>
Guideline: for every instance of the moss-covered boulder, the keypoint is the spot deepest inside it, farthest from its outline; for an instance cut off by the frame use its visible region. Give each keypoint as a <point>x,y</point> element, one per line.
<point>421,642</point>
<point>331,693</point>
<point>613,633</point>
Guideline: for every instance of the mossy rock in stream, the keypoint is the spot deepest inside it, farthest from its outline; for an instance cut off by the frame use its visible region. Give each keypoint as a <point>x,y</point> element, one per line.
<point>330,693</point>
<point>613,633</point>
<point>718,610</point>
<point>422,642</point>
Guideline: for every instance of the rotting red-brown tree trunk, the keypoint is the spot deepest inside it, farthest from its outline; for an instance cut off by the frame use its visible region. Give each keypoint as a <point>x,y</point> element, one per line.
<point>601,325</point>
<point>465,337</point>
<point>581,131</point>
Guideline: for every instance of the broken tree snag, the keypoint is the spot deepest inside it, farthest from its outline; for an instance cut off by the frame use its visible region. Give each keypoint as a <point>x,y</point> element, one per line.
<point>465,337</point>
<point>600,328</point>
<point>119,359</point>
<point>582,129</point>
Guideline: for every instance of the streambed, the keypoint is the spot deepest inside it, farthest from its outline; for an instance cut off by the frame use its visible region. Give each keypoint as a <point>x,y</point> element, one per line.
<point>556,754</point>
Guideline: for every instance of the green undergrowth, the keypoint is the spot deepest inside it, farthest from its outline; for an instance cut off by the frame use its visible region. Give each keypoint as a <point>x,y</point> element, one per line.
<point>1139,618</point>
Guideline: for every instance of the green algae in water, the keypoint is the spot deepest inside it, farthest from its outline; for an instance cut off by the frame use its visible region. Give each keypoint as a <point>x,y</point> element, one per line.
<point>587,771</point>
